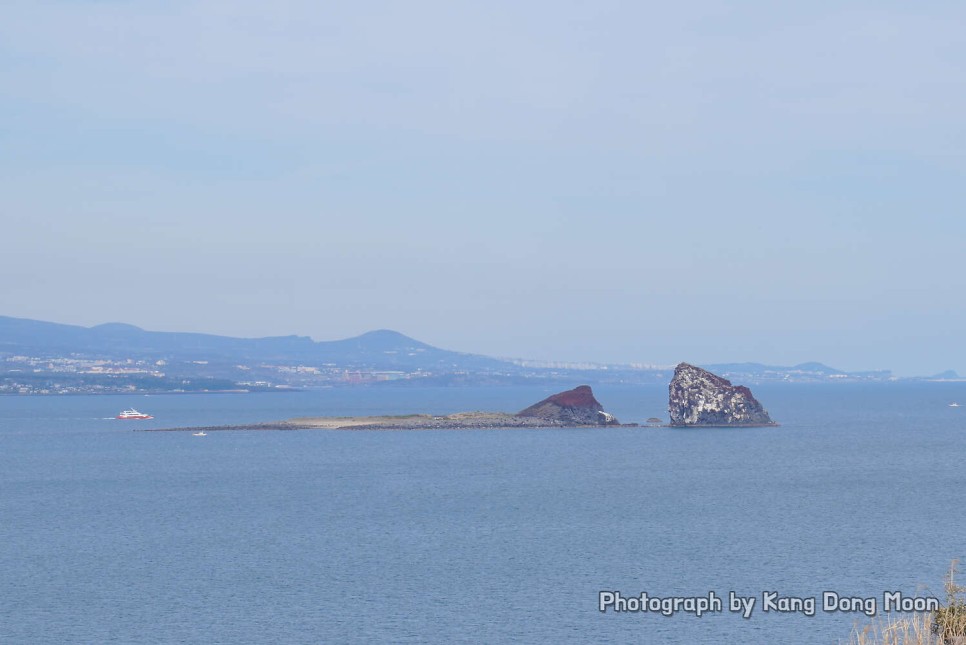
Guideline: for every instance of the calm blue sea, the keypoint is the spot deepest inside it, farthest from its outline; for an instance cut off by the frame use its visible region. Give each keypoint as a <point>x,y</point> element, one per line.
<point>493,536</point>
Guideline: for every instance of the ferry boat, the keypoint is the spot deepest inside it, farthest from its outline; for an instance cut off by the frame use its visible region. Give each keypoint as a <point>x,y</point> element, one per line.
<point>133,414</point>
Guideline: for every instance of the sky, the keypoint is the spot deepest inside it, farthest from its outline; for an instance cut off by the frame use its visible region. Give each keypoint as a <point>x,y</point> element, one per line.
<point>577,181</point>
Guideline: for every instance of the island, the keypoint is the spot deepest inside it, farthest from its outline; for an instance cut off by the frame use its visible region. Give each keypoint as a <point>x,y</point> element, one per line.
<point>696,397</point>
<point>576,408</point>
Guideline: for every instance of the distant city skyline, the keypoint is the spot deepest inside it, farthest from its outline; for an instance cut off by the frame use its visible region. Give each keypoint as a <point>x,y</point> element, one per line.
<point>560,181</point>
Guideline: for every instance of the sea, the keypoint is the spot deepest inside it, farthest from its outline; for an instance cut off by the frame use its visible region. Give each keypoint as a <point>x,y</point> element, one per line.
<point>113,535</point>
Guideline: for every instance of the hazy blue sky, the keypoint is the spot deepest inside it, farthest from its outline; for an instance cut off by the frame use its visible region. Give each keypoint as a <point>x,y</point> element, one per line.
<point>609,181</point>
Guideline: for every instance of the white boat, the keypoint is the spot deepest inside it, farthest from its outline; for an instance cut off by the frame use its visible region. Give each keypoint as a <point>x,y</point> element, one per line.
<point>954,405</point>
<point>200,433</point>
<point>133,414</point>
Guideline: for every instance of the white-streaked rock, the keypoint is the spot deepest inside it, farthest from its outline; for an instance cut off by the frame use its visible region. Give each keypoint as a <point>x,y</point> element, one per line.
<point>696,397</point>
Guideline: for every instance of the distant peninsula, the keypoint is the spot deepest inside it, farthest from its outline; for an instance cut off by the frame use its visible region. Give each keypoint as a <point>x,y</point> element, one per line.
<point>576,408</point>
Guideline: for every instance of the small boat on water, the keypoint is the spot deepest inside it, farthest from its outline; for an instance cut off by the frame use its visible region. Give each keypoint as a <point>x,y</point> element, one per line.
<point>954,405</point>
<point>200,433</point>
<point>133,414</point>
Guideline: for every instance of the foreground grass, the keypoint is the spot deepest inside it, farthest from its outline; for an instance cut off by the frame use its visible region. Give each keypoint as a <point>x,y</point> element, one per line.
<point>904,631</point>
<point>946,626</point>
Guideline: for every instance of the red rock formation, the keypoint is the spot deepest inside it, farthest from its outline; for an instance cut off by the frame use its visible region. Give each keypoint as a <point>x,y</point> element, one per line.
<point>577,406</point>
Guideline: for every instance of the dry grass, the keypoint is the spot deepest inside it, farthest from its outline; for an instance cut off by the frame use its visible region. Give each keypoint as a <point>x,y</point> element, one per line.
<point>946,626</point>
<point>949,622</point>
<point>916,630</point>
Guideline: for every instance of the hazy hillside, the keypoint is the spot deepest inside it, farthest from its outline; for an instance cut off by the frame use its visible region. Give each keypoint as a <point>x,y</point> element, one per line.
<point>47,358</point>
<point>381,349</point>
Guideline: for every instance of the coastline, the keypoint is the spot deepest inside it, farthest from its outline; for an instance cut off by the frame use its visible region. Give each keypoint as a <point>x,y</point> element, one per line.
<point>459,421</point>
<point>773,424</point>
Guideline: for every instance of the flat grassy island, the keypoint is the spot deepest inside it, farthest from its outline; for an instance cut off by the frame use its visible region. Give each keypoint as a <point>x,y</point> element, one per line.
<point>576,408</point>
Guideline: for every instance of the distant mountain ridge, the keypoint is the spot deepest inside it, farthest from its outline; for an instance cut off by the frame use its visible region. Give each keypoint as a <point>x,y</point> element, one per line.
<point>380,349</point>
<point>46,357</point>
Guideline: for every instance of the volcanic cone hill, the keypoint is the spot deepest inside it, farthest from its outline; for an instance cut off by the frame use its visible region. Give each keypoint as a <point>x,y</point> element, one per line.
<point>699,398</point>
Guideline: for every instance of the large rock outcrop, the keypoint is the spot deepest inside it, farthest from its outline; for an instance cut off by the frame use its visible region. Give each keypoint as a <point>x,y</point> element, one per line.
<point>577,406</point>
<point>699,398</point>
